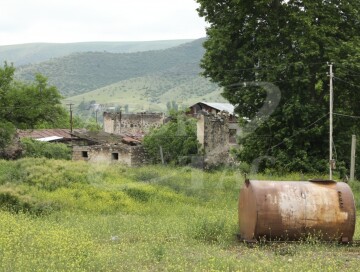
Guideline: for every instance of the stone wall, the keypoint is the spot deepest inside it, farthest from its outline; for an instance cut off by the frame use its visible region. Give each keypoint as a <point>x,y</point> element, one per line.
<point>120,153</point>
<point>213,135</point>
<point>133,123</point>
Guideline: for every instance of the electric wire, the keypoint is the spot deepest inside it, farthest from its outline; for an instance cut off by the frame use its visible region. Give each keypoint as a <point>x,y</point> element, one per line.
<point>352,84</point>
<point>298,132</point>
<point>346,115</point>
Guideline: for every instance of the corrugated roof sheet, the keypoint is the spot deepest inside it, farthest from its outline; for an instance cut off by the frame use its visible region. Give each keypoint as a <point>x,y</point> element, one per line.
<point>220,106</point>
<point>43,133</point>
<point>49,139</point>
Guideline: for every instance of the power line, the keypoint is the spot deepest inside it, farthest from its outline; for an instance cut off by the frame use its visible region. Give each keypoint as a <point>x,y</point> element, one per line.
<point>349,70</point>
<point>346,115</point>
<point>352,84</point>
<point>270,67</point>
<point>298,132</point>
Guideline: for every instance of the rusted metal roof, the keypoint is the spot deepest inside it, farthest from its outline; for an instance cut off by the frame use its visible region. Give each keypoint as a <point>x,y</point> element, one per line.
<point>129,140</point>
<point>99,137</point>
<point>102,137</point>
<point>44,133</point>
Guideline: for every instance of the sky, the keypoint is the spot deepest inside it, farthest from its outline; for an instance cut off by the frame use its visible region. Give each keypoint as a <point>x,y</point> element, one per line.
<point>62,21</point>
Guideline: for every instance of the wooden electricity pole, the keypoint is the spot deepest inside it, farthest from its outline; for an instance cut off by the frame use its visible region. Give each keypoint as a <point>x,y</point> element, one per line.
<point>71,118</point>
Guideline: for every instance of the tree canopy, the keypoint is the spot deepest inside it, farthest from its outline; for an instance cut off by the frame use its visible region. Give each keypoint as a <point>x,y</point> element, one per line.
<point>288,44</point>
<point>27,105</point>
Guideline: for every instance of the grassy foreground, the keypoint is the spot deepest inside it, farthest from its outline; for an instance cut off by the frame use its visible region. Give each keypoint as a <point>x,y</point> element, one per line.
<point>73,216</point>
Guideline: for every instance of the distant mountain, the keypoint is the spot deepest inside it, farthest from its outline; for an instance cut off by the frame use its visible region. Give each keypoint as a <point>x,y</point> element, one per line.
<point>150,80</point>
<point>83,72</point>
<point>31,53</point>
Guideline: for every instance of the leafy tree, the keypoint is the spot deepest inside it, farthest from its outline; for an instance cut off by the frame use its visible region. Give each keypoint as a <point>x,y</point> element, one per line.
<point>177,138</point>
<point>7,131</point>
<point>26,105</point>
<point>287,43</point>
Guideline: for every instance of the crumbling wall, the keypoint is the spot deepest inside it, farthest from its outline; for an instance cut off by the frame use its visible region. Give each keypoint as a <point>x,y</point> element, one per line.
<point>213,135</point>
<point>138,156</point>
<point>132,123</point>
<point>120,153</point>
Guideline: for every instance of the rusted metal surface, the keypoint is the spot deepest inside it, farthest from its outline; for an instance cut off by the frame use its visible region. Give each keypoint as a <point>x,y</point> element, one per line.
<point>291,210</point>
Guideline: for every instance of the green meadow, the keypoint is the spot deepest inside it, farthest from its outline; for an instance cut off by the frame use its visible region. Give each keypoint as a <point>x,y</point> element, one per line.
<point>74,216</point>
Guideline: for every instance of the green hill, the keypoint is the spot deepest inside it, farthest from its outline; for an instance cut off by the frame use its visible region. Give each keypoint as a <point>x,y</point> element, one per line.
<point>21,54</point>
<point>153,92</point>
<point>83,72</point>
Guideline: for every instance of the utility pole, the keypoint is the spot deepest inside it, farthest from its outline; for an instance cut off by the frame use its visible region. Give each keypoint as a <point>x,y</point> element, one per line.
<point>352,165</point>
<point>71,118</point>
<point>331,161</point>
<point>96,116</point>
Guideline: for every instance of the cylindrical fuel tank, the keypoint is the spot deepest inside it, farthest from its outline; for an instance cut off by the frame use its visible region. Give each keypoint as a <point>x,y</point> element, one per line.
<point>290,210</point>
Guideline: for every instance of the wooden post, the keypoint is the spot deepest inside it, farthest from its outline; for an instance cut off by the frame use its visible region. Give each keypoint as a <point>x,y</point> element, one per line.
<point>162,155</point>
<point>71,117</point>
<point>352,165</point>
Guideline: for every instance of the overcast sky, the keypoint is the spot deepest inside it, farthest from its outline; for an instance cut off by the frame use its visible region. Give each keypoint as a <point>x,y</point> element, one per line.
<point>26,21</point>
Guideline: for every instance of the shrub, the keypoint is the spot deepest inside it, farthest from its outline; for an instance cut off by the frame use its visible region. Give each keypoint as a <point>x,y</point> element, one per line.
<point>14,200</point>
<point>37,149</point>
<point>177,139</point>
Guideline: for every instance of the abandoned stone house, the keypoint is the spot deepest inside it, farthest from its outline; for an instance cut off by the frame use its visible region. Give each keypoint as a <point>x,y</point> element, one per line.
<point>217,130</point>
<point>215,109</point>
<point>132,123</point>
<point>120,142</point>
<point>93,146</point>
<point>106,147</point>
<point>214,138</point>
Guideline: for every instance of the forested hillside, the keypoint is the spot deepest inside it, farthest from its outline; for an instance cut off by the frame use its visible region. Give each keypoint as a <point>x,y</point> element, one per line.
<point>21,54</point>
<point>83,72</point>
<point>154,92</point>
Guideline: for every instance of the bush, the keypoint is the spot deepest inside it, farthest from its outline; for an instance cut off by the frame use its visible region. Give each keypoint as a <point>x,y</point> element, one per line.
<point>14,200</point>
<point>177,139</point>
<point>37,149</point>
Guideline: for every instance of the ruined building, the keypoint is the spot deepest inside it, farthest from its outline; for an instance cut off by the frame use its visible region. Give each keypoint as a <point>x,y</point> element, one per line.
<point>110,148</point>
<point>131,123</point>
<point>216,137</point>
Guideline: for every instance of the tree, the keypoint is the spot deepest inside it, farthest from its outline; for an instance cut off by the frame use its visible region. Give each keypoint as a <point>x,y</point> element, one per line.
<point>30,104</point>
<point>177,138</point>
<point>26,105</point>
<point>287,43</point>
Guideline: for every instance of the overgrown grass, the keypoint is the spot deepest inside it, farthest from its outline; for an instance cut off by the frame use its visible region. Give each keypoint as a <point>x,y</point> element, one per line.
<point>74,216</point>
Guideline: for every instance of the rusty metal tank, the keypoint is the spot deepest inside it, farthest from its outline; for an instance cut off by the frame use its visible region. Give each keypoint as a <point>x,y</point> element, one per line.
<point>291,210</point>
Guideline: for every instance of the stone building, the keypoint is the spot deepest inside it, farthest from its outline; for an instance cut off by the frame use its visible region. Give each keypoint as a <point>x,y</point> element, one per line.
<point>214,137</point>
<point>216,108</point>
<point>105,147</point>
<point>131,123</point>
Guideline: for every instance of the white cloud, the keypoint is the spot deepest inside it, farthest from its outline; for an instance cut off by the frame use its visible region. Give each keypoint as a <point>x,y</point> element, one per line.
<point>23,21</point>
